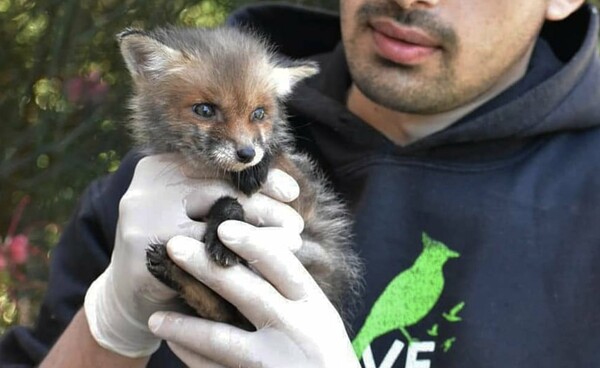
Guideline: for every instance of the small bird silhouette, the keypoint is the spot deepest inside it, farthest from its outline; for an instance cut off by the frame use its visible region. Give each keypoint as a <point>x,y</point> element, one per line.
<point>409,297</point>
<point>434,330</point>
<point>453,316</point>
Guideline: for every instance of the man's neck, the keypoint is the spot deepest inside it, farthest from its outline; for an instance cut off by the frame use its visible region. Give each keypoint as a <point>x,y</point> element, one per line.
<point>402,128</point>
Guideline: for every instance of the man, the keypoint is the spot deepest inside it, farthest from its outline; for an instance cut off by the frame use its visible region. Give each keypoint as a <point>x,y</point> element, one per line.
<point>464,135</point>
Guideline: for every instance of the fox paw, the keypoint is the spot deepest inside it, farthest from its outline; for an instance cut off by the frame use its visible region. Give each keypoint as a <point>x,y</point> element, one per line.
<point>160,265</point>
<point>225,208</point>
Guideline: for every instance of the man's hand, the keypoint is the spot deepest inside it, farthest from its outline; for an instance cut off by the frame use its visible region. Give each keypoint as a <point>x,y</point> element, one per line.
<point>296,324</point>
<point>160,204</point>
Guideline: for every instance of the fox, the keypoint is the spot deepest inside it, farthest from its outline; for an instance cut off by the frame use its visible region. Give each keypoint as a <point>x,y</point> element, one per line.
<point>216,97</point>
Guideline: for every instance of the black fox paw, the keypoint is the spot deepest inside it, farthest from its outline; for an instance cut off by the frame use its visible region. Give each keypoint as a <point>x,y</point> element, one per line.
<point>221,254</point>
<point>225,208</point>
<point>160,265</point>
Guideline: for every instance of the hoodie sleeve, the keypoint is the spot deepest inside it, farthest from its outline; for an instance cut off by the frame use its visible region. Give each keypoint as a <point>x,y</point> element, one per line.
<point>82,253</point>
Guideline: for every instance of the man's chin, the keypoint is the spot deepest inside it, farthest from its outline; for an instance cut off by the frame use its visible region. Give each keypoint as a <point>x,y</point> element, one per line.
<point>407,94</point>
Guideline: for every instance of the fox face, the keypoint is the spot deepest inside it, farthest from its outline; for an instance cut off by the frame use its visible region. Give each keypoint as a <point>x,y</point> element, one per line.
<point>229,121</point>
<point>213,95</point>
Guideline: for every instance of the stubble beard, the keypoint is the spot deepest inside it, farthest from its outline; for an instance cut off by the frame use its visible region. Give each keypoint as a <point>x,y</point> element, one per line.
<point>403,88</point>
<point>400,88</point>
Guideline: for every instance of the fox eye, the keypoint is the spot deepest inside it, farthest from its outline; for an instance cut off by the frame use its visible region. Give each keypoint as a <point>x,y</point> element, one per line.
<point>204,110</point>
<point>258,114</point>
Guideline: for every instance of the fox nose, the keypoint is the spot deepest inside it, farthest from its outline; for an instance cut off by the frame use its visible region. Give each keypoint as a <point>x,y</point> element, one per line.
<point>245,154</point>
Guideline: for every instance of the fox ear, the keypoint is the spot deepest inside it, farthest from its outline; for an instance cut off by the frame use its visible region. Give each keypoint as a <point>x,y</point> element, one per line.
<point>286,77</point>
<point>145,56</point>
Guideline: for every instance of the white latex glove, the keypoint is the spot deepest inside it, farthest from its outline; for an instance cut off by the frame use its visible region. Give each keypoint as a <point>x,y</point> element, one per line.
<point>296,324</point>
<point>156,207</point>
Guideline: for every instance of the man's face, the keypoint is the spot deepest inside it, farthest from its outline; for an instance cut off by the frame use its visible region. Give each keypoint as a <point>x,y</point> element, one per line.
<point>436,55</point>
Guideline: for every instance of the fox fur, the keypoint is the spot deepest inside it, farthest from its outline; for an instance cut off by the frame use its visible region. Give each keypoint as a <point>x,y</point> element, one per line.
<point>216,97</point>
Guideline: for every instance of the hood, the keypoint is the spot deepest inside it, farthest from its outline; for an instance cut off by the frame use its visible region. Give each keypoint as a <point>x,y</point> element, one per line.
<point>552,97</point>
<point>295,31</point>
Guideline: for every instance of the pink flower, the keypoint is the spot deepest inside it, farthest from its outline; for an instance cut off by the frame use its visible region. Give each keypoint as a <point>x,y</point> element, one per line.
<point>74,89</point>
<point>19,249</point>
<point>3,263</point>
<point>85,89</point>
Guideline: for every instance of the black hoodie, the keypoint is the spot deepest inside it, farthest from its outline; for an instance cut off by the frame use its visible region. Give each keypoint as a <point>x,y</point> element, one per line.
<point>479,241</point>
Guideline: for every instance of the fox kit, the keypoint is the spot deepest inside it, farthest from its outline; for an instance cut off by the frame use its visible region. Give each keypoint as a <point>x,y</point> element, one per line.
<point>215,96</point>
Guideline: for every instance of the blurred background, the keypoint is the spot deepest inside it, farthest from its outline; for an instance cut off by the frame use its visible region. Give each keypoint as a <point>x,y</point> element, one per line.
<point>63,91</point>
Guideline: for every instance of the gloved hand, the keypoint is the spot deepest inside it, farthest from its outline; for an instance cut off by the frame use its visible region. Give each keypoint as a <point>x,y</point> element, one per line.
<point>156,207</point>
<point>296,324</point>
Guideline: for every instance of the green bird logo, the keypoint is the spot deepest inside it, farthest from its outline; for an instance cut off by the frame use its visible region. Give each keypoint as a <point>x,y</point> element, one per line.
<point>409,297</point>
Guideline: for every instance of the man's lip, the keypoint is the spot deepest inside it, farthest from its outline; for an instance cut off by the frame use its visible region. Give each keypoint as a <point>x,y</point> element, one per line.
<point>402,45</point>
<point>414,36</point>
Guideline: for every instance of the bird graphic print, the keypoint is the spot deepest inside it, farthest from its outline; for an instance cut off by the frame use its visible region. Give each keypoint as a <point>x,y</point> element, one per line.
<point>409,297</point>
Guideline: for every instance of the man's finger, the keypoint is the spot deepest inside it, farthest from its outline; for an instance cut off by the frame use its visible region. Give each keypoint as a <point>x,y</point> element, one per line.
<point>254,297</point>
<point>265,211</point>
<point>280,186</point>
<point>189,228</point>
<point>260,209</point>
<point>218,342</point>
<point>199,202</point>
<point>266,250</point>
